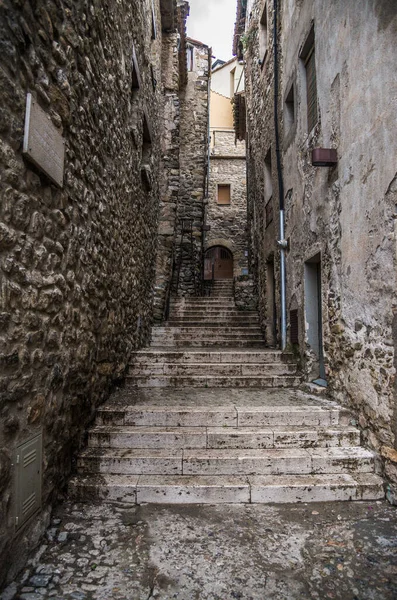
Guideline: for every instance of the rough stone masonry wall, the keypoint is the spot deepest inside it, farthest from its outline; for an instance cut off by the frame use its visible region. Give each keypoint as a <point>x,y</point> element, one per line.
<point>261,135</point>
<point>76,264</point>
<point>193,168</point>
<point>347,213</point>
<point>229,222</point>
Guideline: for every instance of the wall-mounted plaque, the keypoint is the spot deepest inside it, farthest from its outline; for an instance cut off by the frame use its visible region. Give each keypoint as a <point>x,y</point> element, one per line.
<point>43,145</point>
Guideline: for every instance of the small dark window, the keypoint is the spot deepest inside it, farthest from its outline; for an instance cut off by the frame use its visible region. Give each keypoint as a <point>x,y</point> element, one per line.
<point>294,327</point>
<point>268,178</point>
<point>146,169</point>
<point>289,110</point>
<point>269,212</point>
<point>224,194</point>
<point>136,76</point>
<point>154,27</point>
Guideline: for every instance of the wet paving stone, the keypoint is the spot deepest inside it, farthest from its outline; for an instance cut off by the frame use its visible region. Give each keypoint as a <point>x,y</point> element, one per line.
<point>345,551</point>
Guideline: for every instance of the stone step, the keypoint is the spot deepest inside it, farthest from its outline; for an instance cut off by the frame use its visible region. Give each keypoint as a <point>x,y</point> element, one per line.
<point>204,302</point>
<point>212,356</point>
<point>214,381</point>
<point>205,322</point>
<point>282,437</point>
<point>207,343</point>
<point>141,368</point>
<point>294,461</point>
<point>289,424</point>
<point>204,330</point>
<point>180,489</point>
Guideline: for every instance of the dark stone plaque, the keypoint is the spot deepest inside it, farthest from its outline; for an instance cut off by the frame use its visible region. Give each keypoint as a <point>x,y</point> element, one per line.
<point>43,145</point>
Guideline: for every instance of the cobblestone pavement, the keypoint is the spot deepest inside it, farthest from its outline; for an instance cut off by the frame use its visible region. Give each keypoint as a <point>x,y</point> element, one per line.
<point>330,550</point>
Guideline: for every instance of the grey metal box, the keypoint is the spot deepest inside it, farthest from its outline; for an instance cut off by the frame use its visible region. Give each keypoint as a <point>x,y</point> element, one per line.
<point>28,471</point>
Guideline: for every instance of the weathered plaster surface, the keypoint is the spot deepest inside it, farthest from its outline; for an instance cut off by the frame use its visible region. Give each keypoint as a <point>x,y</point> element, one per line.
<point>345,213</point>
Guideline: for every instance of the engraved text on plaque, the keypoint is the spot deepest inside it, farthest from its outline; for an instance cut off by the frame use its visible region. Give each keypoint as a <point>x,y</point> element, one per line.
<point>43,145</point>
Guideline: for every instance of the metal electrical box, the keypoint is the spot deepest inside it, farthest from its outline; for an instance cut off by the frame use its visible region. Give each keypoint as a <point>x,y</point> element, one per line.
<point>28,470</point>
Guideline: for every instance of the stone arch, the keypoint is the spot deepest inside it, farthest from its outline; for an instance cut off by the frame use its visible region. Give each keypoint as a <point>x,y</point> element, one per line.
<point>218,262</point>
<point>221,242</point>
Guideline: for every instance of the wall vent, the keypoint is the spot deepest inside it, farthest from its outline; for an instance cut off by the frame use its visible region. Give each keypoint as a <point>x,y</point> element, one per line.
<point>28,459</point>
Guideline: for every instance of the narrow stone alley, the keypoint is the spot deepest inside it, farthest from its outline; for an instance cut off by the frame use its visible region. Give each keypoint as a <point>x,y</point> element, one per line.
<point>198,316</point>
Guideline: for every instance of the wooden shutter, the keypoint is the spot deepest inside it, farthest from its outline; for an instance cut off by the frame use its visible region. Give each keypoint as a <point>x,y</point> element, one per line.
<point>224,194</point>
<point>311,86</point>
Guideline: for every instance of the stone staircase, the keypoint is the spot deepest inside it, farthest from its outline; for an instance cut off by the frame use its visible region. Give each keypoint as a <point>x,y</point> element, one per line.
<point>220,422</point>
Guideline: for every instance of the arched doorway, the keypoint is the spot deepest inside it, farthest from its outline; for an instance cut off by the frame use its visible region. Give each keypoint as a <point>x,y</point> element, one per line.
<point>218,263</point>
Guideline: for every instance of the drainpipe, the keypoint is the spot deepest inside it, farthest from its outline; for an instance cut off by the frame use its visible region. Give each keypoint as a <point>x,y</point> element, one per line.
<point>207,179</point>
<point>282,243</point>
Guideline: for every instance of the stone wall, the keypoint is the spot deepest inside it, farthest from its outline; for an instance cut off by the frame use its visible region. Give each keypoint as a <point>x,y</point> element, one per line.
<point>261,135</point>
<point>344,215</point>
<point>77,263</point>
<point>193,169</point>
<point>228,222</point>
<point>174,78</point>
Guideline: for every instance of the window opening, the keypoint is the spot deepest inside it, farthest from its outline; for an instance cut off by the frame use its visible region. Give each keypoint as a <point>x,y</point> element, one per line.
<point>263,36</point>
<point>289,109</point>
<point>136,76</point>
<point>224,194</point>
<point>308,57</point>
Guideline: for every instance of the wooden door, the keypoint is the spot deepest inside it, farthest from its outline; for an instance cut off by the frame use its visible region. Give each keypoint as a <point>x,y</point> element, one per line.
<point>218,263</point>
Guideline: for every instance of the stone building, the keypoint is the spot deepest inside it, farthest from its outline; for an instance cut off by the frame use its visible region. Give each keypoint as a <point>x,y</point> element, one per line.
<point>79,217</point>
<point>227,189</point>
<point>323,158</point>
<point>193,183</point>
<point>226,247</point>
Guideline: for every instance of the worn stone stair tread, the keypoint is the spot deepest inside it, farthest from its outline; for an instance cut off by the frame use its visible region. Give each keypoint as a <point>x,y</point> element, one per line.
<point>215,380</point>
<point>315,488</point>
<point>182,489</point>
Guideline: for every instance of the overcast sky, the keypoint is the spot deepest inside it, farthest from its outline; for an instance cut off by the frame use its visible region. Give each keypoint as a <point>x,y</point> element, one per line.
<point>212,22</point>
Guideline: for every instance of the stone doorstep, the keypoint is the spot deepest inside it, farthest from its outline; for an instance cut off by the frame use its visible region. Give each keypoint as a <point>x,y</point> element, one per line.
<point>208,381</point>
<point>297,461</point>
<point>269,369</point>
<point>225,489</point>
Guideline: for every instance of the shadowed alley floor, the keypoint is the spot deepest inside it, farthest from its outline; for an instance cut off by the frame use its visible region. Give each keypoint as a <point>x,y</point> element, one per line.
<point>329,550</point>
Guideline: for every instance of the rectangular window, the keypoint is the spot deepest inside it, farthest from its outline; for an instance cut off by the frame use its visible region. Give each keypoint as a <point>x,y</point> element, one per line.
<point>224,194</point>
<point>311,87</point>
<point>263,36</point>
<point>308,56</point>
<point>268,178</point>
<point>289,110</point>
<point>269,212</point>
<point>190,58</point>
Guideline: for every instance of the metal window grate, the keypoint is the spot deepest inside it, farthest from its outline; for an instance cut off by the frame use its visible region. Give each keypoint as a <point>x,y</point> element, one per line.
<point>311,87</point>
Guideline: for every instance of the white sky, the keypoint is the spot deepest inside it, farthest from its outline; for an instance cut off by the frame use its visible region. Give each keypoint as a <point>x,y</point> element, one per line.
<point>212,22</point>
